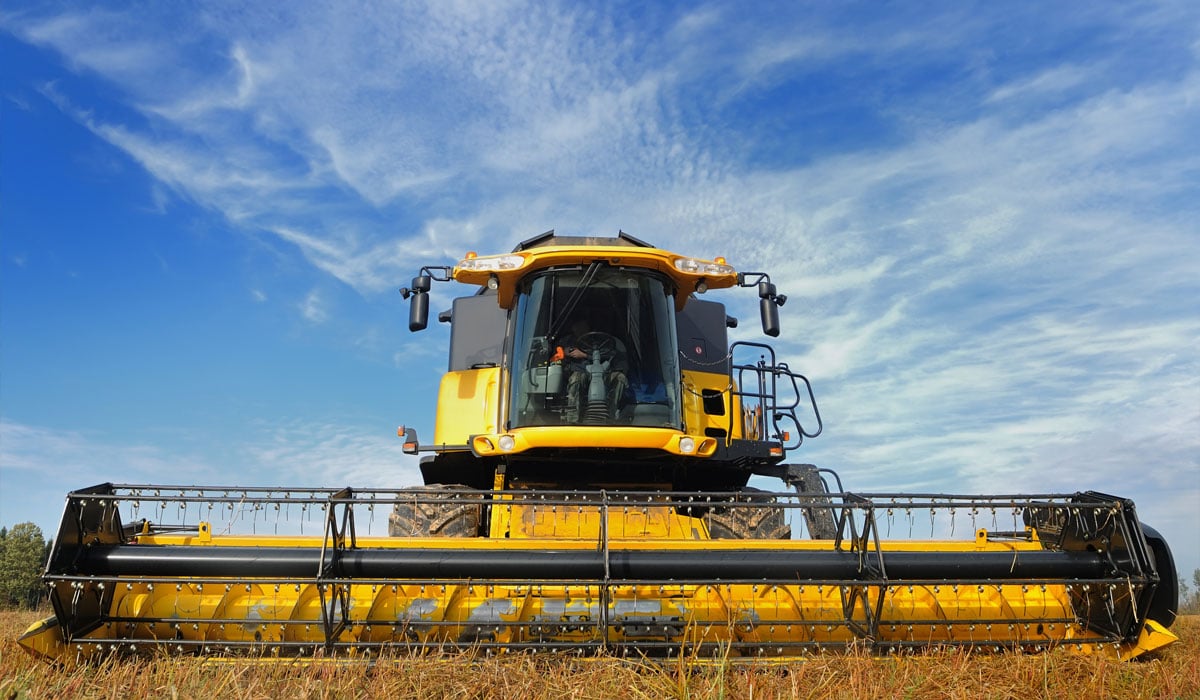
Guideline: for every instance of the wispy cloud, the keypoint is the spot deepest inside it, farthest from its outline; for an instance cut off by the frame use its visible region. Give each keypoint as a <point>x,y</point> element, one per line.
<point>56,454</point>
<point>39,465</point>
<point>332,454</point>
<point>1053,82</point>
<point>990,263</point>
<point>314,307</point>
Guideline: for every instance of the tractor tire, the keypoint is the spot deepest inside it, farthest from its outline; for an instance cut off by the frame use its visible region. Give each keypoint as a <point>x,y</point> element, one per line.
<point>819,519</point>
<point>761,522</point>
<point>437,510</point>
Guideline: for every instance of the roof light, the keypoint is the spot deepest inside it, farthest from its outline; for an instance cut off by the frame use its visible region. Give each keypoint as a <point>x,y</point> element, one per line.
<point>491,263</point>
<point>695,266</point>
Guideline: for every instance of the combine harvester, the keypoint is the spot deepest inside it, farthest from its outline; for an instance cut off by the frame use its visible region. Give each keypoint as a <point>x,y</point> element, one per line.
<point>586,491</point>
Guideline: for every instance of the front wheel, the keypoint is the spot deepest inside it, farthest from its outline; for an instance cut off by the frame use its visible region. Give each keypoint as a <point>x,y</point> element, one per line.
<point>437,510</point>
<point>764,520</point>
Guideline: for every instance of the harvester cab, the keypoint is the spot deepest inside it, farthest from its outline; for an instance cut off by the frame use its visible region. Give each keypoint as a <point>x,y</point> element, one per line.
<point>586,490</point>
<point>577,352</point>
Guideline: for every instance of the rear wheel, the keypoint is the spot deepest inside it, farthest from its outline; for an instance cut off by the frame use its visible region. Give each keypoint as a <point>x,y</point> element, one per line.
<point>818,516</point>
<point>437,510</point>
<point>761,521</point>
<point>1165,603</point>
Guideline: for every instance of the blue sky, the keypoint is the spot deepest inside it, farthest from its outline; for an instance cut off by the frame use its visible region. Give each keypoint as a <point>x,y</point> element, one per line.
<point>984,216</point>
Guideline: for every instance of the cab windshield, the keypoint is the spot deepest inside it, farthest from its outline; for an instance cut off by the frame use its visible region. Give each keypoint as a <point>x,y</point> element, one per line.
<point>595,346</point>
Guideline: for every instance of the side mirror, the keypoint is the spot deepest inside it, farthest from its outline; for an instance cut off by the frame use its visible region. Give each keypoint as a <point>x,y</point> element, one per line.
<point>768,308</point>
<point>770,317</point>
<point>418,312</point>
<point>769,301</point>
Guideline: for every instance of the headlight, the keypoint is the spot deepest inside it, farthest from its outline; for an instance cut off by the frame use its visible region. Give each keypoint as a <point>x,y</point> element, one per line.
<point>695,266</point>
<point>491,263</point>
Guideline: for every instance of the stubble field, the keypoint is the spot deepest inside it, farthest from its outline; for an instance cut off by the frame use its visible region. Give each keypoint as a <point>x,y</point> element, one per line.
<point>1172,673</point>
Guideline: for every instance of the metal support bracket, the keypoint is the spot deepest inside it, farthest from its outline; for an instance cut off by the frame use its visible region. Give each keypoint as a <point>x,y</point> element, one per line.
<point>333,590</point>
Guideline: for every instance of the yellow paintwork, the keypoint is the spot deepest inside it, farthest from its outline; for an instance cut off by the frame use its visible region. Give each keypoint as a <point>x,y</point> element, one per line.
<point>622,436</point>
<point>780,621</point>
<point>467,405</point>
<point>645,527</point>
<point>694,416</point>
<point>469,411</point>
<point>774,618</point>
<point>468,408</point>
<point>551,256</point>
<point>1152,636</point>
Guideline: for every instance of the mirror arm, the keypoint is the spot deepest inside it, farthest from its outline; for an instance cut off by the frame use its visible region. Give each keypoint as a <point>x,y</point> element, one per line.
<point>769,300</point>
<point>418,294</point>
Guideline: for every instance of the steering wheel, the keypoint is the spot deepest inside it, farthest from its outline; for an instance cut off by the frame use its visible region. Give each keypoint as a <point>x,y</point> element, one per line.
<point>600,341</point>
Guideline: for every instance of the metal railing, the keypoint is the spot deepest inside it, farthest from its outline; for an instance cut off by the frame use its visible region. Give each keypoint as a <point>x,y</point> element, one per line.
<point>620,571</point>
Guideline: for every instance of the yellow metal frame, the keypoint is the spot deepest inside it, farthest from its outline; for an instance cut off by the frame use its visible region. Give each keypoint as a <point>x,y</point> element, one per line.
<point>553,256</point>
<point>775,620</point>
<point>769,619</point>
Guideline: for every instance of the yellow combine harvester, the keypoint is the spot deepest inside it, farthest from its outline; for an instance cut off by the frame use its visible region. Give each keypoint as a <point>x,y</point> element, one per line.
<point>586,490</point>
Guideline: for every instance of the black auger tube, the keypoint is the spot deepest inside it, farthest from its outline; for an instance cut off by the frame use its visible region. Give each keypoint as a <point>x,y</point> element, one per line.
<point>569,565</point>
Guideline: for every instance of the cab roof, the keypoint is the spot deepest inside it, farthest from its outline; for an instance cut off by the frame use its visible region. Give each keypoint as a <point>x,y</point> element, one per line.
<point>504,272</point>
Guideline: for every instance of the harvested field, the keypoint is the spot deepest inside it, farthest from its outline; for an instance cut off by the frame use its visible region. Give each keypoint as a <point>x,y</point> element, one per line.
<point>1174,673</point>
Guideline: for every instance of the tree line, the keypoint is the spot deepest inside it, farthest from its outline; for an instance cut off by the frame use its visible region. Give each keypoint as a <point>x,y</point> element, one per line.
<point>23,556</point>
<point>1189,596</point>
<point>24,552</point>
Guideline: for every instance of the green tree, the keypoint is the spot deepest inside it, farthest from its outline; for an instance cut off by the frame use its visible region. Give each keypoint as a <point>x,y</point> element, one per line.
<point>22,555</point>
<point>1191,604</point>
<point>1189,596</point>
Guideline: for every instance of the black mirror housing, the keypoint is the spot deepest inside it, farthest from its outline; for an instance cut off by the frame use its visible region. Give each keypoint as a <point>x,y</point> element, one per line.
<point>418,311</point>
<point>770,317</point>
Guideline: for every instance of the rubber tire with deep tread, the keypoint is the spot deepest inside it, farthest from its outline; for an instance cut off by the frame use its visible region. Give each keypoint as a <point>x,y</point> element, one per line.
<point>762,522</point>
<point>451,513</point>
<point>819,517</point>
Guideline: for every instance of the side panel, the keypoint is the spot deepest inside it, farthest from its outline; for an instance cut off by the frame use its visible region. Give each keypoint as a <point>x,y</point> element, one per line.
<point>467,405</point>
<point>704,357</point>
<point>706,409</point>
<point>703,337</point>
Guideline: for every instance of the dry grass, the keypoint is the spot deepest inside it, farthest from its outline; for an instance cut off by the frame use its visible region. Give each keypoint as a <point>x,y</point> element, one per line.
<point>1174,673</point>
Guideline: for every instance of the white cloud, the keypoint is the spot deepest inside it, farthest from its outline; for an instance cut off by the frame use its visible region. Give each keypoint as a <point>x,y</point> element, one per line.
<point>1053,82</point>
<point>39,465</point>
<point>315,308</point>
<point>330,454</point>
<point>55,454</point>
<point>997,281</point>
